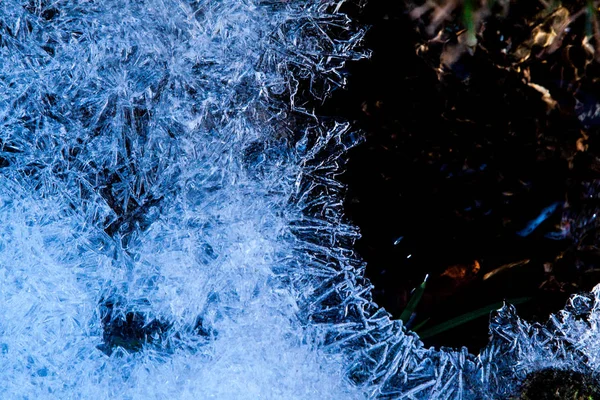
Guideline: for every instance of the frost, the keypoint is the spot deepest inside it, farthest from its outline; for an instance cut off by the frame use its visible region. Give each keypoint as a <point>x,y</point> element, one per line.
<point>171,222</point>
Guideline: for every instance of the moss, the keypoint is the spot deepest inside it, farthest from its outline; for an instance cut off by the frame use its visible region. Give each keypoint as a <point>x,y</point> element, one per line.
<point>559,384</point>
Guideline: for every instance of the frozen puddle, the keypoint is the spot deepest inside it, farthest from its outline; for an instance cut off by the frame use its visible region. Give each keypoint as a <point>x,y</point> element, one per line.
<point>170,228</point>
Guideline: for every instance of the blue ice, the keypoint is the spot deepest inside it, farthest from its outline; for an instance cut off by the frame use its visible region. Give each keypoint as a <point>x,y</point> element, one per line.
<point>544,215</point>
<point>171,225</point>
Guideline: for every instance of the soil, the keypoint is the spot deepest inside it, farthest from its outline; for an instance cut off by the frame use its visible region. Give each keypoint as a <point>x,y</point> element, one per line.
<point>466,146</point>
<point>550,384</point>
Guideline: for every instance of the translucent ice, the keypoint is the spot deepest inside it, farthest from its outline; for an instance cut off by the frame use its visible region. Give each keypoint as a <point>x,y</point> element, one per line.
<point>171,224</point>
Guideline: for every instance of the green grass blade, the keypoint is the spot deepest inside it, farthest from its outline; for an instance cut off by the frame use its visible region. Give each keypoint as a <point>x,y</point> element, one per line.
<point>469,21</point>
<point>420,325</point>
<point>470,316</point>
<point>413,302</point>
<point>590,18</point>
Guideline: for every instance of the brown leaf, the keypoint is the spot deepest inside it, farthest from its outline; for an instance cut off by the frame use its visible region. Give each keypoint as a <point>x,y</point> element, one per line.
<point>462,273</point>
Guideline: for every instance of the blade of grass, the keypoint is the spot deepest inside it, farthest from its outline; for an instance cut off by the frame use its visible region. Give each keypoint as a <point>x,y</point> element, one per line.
<point>413,302</point>
<point>420,325</point>
<point>469,21</point>
<point>590,18</point>
<point>504,268</point>
<point>470,316</point>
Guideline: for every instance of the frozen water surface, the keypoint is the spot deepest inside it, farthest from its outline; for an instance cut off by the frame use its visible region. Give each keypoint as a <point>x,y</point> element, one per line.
<point>171,224</point>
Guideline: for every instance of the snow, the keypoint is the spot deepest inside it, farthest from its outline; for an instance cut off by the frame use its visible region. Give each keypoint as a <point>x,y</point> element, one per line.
<point>171,225</point>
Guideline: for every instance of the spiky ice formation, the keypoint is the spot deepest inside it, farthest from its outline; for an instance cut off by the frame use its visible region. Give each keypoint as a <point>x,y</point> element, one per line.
<point>146,173</point>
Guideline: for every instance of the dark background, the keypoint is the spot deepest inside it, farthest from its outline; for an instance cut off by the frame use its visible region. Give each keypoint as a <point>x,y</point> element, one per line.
<point>459,158</point>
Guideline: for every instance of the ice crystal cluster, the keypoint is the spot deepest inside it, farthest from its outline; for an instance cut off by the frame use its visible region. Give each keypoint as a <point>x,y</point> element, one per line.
<point>170,218</point>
